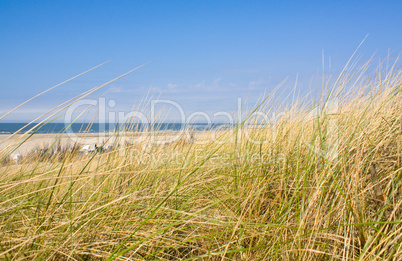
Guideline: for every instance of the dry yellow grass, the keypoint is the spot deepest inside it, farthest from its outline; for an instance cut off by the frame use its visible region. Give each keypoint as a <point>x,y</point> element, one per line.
<point>326,187</point>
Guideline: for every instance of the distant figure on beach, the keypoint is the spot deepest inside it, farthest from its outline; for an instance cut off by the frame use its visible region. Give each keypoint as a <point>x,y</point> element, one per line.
<point>17,157</point>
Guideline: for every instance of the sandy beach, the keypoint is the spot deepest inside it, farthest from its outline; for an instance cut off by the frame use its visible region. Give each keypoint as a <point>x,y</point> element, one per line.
<point>39,141</point>
<point>46,140</point>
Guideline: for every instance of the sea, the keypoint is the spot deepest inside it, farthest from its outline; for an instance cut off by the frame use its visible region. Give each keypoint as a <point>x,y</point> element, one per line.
<point>10,128</point>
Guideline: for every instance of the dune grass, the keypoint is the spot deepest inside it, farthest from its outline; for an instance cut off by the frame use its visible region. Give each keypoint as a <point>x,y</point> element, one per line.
<point>321,186</point>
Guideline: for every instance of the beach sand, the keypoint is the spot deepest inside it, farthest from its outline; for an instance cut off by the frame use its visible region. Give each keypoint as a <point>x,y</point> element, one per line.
<point>40,141</point>
<point>44,140</point>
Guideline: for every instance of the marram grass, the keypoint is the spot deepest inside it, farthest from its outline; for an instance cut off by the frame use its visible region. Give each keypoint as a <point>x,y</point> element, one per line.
<point>322,186</point>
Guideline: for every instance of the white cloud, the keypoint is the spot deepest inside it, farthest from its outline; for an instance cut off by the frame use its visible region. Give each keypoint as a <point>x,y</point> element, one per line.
<point>115,90</point>
<point>31,111</point>
<point>118,89</point>
<point>172,86</point>
<point>151,88</point>
<point>214,86</point>
<point>257,85</point>
<point>200,85</point>
<point>122,90</point>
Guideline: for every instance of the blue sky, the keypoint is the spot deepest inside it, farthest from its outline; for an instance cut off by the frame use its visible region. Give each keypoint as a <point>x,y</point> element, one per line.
<point>203,55</point>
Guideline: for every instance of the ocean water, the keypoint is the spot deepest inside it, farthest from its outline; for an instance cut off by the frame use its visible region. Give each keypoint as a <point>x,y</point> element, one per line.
<point>9,128</point>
